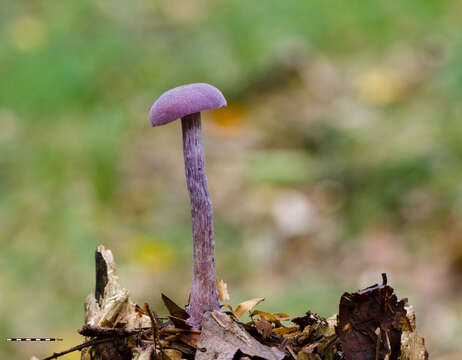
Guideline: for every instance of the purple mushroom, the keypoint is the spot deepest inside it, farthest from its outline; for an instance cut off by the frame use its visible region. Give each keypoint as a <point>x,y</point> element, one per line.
<point>186,102</point>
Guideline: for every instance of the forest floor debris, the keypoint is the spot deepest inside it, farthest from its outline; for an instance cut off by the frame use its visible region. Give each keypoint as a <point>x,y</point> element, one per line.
<point>371,325</point>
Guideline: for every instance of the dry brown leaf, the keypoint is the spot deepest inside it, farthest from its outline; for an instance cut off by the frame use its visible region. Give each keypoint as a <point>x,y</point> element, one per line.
<point>308,349</point>
<point>229,307</point>
<point>369,323</point>
<point>190,339</point>
<point>179,323</point>
<point>174,309</point>
<point>246,306</point>
<point>223,293</point>
<point>263,327</point>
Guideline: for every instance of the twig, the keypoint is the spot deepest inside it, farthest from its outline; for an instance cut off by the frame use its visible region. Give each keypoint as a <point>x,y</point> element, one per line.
<point>89,330</point>
<point>328,344</point>
<point>79,347</point>
<point>384,279</point>
<point>176,330</point>
<point>291,352</point>
<point>155,332</point>
<point>377,345</point>
<point>107,333</point>
<point>92,331</point>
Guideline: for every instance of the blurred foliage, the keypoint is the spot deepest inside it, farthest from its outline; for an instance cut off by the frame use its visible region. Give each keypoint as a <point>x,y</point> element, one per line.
<point>339,156</point>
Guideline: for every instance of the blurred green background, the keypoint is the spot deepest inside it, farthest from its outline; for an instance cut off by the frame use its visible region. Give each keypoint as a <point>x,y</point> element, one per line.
<point>339,156</point>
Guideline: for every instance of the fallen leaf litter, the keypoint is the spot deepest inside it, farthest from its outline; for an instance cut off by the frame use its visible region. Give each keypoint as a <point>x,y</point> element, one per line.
<point>371,324</point>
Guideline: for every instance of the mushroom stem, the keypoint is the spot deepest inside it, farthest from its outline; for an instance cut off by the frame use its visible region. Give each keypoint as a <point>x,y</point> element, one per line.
<point>204,293</point>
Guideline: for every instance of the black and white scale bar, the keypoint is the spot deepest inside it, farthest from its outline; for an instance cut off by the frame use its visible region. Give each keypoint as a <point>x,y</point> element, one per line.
<point>33,339</point>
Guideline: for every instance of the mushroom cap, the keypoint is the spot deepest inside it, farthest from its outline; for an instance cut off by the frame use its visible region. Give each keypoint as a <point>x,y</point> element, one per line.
<point>184,100</point>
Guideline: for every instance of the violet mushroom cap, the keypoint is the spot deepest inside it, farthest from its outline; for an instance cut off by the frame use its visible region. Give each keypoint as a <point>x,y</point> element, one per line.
<point>185,100</point>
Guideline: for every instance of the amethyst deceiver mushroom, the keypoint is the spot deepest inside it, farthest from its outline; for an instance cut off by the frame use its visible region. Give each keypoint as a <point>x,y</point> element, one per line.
<point>186,102</point>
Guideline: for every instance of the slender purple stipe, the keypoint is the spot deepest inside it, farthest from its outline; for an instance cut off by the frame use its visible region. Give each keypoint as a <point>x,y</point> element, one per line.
<point>186,102</point>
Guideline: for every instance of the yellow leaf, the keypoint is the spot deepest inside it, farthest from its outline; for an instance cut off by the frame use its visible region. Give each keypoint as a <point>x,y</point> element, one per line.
<point>281,315</point>
<point>286,331</point>
<point>223,290</point>
<point>246,306</point>
<point>266,315</point>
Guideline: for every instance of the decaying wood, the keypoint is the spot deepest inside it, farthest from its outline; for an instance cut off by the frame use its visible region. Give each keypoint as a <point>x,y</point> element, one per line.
<point>114,308</point>
<point>101,272</point>
<point>110,307</point>
<point>412,344</point>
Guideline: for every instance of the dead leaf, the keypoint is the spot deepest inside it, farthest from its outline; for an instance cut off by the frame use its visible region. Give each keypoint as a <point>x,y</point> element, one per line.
<point>280,316</point>
<point>190,339</point>
<point>369,323</point>
<point>179,323</point>
<point>229,307</point>
<point>222,291</point>
<point>221,338</point>
<point>184,349</point>
<point>288,318</point>
<point>307,331</point>
<point>308,349</point>
<point>267,316</point>
<point>140,311</point>
<point>264,327</point>
<point>174,309</point>
<point>287,331</point>
<point>303,321</point>
<point>246,306</point>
